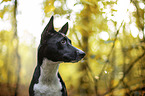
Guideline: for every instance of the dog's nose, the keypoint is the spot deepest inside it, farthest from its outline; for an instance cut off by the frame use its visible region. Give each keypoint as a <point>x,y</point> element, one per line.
<point>81,53</point>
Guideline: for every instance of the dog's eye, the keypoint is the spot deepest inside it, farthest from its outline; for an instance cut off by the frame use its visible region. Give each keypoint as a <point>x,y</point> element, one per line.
<point>63,41</point>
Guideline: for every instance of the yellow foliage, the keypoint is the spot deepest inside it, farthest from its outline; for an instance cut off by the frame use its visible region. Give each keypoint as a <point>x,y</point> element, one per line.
<point>106,61</point>
<point>6,0</point>
<point>1,63</point>
<point>1,14</point>
<point>49,9</point>
<point>3,76</point>
<point>48,6</point>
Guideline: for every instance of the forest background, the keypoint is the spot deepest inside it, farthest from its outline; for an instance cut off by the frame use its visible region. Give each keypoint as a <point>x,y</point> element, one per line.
<point>111,32</point>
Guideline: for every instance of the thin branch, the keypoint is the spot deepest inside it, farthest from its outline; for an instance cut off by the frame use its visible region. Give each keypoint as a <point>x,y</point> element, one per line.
<point>1,2</point>
<point>16,50</point>
<point>111,50</point>
<point>93,76</point>
<point>125,73</point>
<point>115,38</point>
<point>139,15</point>
<point>87,67</point>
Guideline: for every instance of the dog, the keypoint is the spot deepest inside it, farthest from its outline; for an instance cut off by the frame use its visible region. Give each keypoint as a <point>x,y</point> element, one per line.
<point>54,48</point>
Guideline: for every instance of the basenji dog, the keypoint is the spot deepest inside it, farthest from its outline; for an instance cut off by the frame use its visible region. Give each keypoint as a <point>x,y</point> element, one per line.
<point>54,48</point>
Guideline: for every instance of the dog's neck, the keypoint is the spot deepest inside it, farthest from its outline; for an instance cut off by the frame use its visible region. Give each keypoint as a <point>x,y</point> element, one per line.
<point>48,84</point>
<point>49,70</point>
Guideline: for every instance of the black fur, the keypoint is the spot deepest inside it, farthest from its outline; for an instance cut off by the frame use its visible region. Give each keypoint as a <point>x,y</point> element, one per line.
<point>55,46</point>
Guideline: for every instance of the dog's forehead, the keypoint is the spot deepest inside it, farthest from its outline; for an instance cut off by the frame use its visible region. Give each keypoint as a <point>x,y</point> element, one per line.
<point>57,37</point>
<point>61,35</point>
<point>64,36</point>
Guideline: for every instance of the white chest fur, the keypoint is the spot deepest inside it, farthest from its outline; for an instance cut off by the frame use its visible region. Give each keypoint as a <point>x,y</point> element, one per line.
<point>49,84</point>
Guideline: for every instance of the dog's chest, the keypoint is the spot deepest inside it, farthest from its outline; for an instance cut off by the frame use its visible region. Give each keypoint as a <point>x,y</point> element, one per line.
<point>49,83</point>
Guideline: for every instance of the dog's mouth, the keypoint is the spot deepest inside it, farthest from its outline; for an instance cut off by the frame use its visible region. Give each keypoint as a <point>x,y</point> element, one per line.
<point>68,59</point>
<point>74,59</point>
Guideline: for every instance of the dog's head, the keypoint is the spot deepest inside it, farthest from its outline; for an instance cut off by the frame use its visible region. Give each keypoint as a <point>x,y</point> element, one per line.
<point>56,46</point>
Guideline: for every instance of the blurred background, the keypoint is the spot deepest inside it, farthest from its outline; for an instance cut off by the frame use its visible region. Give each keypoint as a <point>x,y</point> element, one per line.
<point>111,32</point>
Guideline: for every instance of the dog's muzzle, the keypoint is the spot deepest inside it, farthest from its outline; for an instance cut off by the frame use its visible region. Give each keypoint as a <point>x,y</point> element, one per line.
<point>75,57</point>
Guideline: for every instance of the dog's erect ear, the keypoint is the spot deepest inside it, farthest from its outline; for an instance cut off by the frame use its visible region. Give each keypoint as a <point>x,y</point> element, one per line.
<point>48,30</point>
<point>49,26</point>
<point>64,29</point>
